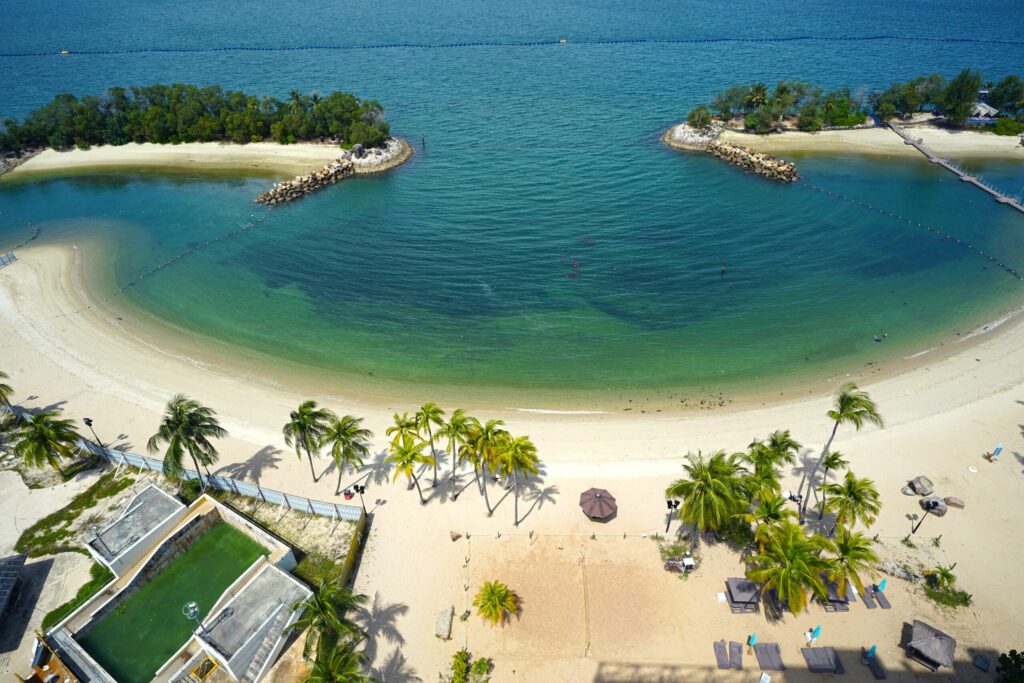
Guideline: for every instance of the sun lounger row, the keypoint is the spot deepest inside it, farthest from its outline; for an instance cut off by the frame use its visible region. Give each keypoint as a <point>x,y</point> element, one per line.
<point>732,660</point>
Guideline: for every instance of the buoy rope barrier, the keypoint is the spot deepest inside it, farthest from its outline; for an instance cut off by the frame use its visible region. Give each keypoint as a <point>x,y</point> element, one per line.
<point>940,233</point>
<point>29,224</point>
<point>522,43</point>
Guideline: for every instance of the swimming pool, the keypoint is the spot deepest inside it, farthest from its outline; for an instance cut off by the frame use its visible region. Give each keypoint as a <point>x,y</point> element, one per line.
<point>143,632</point>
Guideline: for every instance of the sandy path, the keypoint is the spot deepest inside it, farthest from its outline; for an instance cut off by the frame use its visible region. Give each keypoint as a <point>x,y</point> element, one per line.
<point>940,417</point>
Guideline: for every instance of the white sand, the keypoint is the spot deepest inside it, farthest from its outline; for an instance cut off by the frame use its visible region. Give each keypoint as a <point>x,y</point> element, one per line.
<point>257,157</point>
<point>940,418</point>
<point>884,142</point>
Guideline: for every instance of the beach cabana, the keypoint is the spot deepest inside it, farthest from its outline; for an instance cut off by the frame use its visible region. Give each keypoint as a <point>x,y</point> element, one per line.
<point>742,595</point>
<point>930,646</point>
<point>822,660</point>
<point>598,504</point>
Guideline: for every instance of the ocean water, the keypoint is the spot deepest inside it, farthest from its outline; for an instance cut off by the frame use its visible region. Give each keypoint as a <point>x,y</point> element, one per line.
<point>540,161</point>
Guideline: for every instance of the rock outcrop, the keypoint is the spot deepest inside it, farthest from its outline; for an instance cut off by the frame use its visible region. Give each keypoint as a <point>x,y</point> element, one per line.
<point>290,190</point>
<point>761,164</point>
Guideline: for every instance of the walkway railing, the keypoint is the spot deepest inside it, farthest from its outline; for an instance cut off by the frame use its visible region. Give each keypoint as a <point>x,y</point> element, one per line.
<point>289,500</point>
<point>7,259</point>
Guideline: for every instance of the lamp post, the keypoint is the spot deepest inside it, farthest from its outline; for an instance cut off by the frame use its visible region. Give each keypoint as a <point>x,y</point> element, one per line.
<point>361,489</point>
<point>191,611</point>
<point>672,505</point>
<point>88,423</point>
<point>927,511</point>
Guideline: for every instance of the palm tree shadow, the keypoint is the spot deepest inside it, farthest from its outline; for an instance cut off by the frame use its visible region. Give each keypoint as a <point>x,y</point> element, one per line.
<point>539,494</point>
<point>378,621</point>
<point>394,669</point>
<point>253,468</point>
<point>377,471</point>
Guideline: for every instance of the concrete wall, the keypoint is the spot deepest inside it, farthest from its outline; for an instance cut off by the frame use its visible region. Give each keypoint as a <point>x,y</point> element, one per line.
<point>138,550</point>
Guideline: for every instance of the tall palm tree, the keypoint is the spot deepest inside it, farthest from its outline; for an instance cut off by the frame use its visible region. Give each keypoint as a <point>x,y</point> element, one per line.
<point>187,427</point>
<point>496,602</point>
<point>833,461</point>
<point>518,457</point>
<point>345,663</point>
<point>486,440</point>
<point>762,483</point>
<point>349,443</point>
<point>406,457</point>
<point>305,431</point>
<point>852,556</point>
<point>44,438</point>
<point>791,563</point>
<point>6,391</point>
<point>850,406</point>
<point>853,500</point>
<point>427,417</point>
<point>783,446</point>
<point>324,616</point>
<point>767,516</point>
<point>455,431</point>
<point>712,494</point>
<point>403,426</point>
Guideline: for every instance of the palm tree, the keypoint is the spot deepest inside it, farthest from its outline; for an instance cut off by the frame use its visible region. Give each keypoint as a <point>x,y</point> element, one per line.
<point>783,446</point>
<point>518,457</point>
<point>853,500</point>
<point>485,441</point>
<point>44,438</point>
<point>403,426</point>
<point>406,457</point>
<point>429,415</point>
<point>349,443</point>
<point>851,406</point>
<point>941,577</point>
<point>342,664</point>
<point>455,431</point>
<point>852,557</point>
<point>758,95</point>
<point>767,516</point>
<point>323,617</point>
<point>6,391</point>
<point>305,431</point>
<point>187,427</point>
<point>832,461</point>
<point>496,602</point>
<point>791,563</point>
<point>762,483</point>
<point>713,492</point>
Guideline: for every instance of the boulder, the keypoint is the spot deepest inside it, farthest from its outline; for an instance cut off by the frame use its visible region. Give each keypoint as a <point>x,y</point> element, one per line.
<point>443,623</point>
<point>898,570</point>
<point>953,502</point>
<point>922,485</point>
<point>358,151</point>
<point>935,505</point>
<point>455,535</point>
<point>908,491</point>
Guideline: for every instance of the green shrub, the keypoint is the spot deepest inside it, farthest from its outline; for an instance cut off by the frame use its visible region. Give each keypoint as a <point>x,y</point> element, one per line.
<point>49,535</point>
<point>737,531</point>
<point>99,575</point>
<point>460,666</point>
<point>759,121</point>
<point>1010,668</point>
<point>948,596</point>
<point>316,567</point>
<point>481,670</point>
<point>699,117</point>
<point>1007,126</point>
<point>809,120</point>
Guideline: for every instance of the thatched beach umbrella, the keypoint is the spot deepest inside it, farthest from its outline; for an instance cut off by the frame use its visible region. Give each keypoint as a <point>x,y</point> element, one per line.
<point>931,644</point>
<point>597,504</point>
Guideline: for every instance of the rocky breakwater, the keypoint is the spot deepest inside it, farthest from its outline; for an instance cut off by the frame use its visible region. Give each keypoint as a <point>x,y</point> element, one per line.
<point>290,190</point>
<point>761,164</point>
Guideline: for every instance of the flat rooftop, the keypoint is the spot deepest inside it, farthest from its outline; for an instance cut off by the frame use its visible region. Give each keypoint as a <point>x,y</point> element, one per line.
<point>144,513</point>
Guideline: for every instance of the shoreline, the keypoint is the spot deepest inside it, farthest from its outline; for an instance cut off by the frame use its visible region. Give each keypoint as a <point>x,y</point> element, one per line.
<point>875,141</point>
<point>268,159</point>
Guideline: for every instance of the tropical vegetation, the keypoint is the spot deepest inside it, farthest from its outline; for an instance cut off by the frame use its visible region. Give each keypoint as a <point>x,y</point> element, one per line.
<point>496,603</point>
<point>44,438</point>
<point>187,113</point>
<point>306,429</point>
<point>187,427</point>
<point>331,636</point>
<point>940,587</point>
<point>349,442</point>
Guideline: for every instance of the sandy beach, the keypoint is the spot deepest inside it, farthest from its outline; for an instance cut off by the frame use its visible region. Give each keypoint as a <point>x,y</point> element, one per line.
<point>259,158</point>
<point>965,144</point>
<point>66,351</point>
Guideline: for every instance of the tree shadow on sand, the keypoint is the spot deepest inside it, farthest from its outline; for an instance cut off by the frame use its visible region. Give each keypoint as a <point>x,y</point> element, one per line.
<point>394,669</point>
<point>378,621</point>
<point>253,468</point>
<point>375,471</point>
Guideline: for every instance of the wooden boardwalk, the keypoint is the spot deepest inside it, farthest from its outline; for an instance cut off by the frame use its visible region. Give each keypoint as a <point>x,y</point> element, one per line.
<point>966,177</point>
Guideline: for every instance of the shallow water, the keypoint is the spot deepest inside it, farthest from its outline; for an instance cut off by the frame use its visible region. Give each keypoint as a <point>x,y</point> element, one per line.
<point>453,269</point>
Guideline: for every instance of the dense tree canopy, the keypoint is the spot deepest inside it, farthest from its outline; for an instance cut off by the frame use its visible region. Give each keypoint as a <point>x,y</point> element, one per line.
<point>188,113</point>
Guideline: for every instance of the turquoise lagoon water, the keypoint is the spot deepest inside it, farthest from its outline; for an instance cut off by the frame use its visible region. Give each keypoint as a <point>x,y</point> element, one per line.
<point>453,269</point>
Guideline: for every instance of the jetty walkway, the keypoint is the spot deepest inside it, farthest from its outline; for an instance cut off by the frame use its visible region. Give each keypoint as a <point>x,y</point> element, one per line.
<point>934,158</point>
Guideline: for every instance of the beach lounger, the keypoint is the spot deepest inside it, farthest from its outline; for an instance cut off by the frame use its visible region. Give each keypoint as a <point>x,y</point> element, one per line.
<point>869,601</point>
<point>882,600</point>
<point>736,655</point>
<point>822,660</point>
<point>721,656</point>
<point>769,656</point>
<point>877,670</point>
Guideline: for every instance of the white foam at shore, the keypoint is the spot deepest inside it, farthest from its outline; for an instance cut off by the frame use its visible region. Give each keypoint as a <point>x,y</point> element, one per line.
<point>544,411</point>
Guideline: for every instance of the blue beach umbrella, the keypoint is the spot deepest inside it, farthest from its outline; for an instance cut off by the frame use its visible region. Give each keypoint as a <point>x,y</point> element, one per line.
<point>881,586</point>
<point>871,652</point>
<point>816,633</point>
<point>753,639</point>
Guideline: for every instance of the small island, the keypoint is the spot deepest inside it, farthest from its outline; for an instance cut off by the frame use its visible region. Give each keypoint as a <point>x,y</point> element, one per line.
<point>966,117</point>
<point>200,128</point>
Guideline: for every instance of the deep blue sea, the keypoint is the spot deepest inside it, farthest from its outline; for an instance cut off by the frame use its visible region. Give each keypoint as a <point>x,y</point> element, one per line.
<point>452,269</point>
